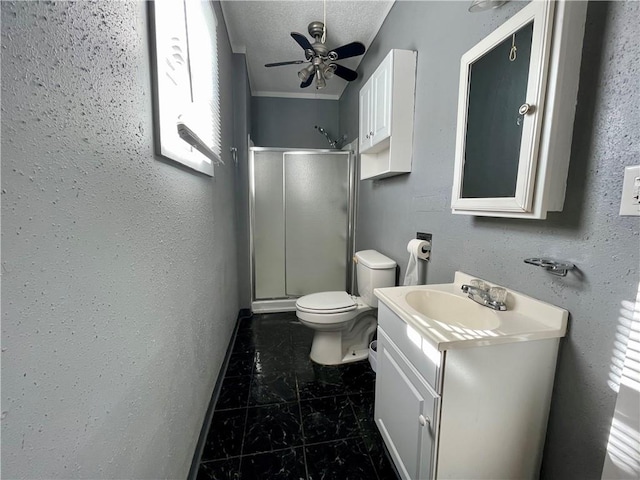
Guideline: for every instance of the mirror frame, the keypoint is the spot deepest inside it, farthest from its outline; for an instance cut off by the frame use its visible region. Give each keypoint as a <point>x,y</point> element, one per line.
<point>540,12</point>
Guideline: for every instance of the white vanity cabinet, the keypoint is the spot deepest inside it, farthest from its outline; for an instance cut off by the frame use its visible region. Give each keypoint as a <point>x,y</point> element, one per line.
<point>476,411</point>
<point>386,117</point>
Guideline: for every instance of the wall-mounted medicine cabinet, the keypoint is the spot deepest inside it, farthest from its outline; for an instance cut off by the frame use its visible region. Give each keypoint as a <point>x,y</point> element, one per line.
<point>386,117</point>
<point>516,108</point>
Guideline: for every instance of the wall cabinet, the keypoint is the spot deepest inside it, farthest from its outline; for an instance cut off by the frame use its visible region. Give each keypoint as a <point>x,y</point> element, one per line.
<point>471,412</point>
<point>386,117</point>
<point>516,108</point>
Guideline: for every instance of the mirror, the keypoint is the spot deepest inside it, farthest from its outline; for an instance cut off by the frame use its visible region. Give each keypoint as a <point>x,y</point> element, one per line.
<point>497,90</point>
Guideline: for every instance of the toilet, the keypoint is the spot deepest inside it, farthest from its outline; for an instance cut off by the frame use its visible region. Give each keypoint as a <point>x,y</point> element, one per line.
<point>344,324</point>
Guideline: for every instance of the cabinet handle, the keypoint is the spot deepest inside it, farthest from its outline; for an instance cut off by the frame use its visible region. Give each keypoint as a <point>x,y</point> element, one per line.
<point>525,108</point>
<point>371,133</point>
<point>424,420</point>
<point>367,136</point>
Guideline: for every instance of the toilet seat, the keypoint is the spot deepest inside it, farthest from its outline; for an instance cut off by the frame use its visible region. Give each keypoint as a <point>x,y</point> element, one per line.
<point>326,303</point>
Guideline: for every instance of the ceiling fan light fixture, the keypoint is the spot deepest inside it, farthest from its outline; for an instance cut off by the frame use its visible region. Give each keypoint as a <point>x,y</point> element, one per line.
<point>329,71</point>
<point>320,81</point>
<point>305,73</point>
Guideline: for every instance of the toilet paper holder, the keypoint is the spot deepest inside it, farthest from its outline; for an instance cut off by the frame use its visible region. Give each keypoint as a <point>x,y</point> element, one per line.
<point>427,237</point>
<point>419,254</point>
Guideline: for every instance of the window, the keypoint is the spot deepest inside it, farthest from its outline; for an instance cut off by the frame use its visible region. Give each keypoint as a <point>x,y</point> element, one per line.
<point>187,93</point>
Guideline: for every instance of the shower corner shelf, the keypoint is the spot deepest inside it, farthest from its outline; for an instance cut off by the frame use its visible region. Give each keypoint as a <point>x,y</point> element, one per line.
<point>386,117</point>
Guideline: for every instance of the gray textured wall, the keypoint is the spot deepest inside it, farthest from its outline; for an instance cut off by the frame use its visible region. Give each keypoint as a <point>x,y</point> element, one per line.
<point>242,123</point>
<point>289,122</point>
<point>118,269</point>
<point>588,232</point>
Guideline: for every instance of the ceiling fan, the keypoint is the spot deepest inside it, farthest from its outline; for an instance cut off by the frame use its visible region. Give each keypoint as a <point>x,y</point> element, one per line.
<point>322,60</point>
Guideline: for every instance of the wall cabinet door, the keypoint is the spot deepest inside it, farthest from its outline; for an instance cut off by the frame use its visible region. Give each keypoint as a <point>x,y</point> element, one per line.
<point>366,94</point>
<point>405,410</point>
<point>515,113</point>
<point>381,103</point>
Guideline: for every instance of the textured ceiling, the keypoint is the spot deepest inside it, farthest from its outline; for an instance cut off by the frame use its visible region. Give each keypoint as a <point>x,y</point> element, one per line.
<point>261,29</point>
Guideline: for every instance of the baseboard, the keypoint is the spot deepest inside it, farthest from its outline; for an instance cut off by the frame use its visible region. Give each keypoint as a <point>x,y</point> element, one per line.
<point>271,306</point>
<point>195,463</point>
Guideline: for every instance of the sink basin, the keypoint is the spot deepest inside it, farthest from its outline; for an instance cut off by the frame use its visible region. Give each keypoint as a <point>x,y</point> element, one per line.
<point>452,310</point>
<point>444,318</point>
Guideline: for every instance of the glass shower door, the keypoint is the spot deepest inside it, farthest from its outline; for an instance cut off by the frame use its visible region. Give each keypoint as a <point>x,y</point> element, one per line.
<point>268,225</point>
<point>316,197</point>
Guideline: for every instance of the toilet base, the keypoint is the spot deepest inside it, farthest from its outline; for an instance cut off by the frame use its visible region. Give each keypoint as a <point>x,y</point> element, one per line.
<point>320,354</point>
<point>339,347</point>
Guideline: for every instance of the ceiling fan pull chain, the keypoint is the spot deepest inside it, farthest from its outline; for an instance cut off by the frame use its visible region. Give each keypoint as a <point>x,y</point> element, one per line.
<point>324,22</point>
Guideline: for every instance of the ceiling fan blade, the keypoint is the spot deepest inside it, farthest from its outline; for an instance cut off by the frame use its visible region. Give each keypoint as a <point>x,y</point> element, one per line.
<point>278,64</point>
<point>304,43</point>
<point>352,49</point>
<point>308,81</point>
<point>344,72</point>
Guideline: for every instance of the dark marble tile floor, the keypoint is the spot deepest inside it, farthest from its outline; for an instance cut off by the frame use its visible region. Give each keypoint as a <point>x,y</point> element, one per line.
<point>281,416</point>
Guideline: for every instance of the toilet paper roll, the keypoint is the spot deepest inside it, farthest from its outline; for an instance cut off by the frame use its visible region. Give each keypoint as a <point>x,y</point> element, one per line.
<point>418,250</point>
<point>421,248</point>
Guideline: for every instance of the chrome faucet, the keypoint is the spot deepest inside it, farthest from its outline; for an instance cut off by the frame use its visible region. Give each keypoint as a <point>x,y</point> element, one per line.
<point>493,298</point>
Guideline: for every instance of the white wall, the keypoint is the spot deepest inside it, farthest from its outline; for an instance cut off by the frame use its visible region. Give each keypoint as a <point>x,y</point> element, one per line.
<point>119,286</point>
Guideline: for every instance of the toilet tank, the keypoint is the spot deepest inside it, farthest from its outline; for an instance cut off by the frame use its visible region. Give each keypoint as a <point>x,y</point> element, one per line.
<point>373,270</point>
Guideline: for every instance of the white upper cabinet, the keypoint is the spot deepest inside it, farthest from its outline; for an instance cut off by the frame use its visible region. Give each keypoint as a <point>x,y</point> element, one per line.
<point>386,117</point>
<point>381,111</point>
<point>365,116</point>
<point>516,108</point>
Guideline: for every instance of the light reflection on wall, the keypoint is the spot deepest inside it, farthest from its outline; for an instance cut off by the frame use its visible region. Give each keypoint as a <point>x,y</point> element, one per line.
<point>625,361</point>
<point>623,449</point>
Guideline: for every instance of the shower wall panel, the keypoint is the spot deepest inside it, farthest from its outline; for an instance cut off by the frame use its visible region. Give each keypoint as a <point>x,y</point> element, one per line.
<point>268,225</point>
<point>316,221</point>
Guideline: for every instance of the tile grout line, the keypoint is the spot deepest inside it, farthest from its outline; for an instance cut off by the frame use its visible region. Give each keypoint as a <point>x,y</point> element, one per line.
<point>246,415</point>
<point>304,440</point>
<point>361,430</point>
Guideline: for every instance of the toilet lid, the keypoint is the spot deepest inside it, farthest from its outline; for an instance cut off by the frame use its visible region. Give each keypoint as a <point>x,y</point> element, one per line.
<point>326,302</point>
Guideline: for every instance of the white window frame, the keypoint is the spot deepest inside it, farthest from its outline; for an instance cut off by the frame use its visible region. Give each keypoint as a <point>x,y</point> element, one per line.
<point>186,83</point>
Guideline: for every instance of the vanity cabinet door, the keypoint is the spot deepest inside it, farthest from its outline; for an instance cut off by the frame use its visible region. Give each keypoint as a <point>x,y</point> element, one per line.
<point>405,412</point>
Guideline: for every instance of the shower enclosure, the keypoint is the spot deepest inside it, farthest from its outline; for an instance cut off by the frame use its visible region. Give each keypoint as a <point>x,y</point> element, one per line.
<point>302,212</point>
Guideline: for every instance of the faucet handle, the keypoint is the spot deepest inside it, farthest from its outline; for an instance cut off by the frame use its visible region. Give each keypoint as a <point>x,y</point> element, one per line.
<point>498,294</point>
<point>479,284</point>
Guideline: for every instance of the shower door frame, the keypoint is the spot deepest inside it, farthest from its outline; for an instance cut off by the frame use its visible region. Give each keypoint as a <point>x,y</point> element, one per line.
<point>288,303</point>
